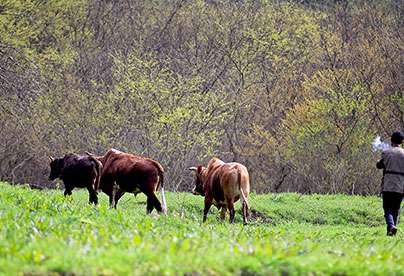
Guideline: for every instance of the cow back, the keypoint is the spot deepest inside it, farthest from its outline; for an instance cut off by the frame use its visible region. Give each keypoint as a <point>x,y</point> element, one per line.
<point>128,169</point>
<point>224,180</point>
<point>116,161</point>
<point>78,168</point>
<point>212,181</point>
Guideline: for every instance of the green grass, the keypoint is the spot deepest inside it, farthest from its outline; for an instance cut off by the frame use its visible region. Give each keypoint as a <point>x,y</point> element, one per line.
<point>41,232</point>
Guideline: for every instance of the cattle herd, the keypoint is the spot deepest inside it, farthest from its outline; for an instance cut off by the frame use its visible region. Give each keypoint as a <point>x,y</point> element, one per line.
<point>116,172</point>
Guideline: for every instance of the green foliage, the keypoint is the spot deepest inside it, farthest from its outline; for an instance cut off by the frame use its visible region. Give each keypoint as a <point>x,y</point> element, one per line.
<point>333,109</point>
<point>41,28</point>
<point>321,140</point>
<point>156,112</point>
<point>296,90</point>
<point>331,119</point>
<point>42,232</point>
<point>171,112</point>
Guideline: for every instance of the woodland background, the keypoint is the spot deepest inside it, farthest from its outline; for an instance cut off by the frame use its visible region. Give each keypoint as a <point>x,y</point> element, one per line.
<point>295,90</point>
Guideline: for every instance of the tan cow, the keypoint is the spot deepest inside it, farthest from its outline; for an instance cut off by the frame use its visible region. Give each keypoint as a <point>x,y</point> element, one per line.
<point>222,184</point>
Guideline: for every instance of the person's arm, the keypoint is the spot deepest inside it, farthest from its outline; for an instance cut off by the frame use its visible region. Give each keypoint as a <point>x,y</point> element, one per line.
<point>380,164</point>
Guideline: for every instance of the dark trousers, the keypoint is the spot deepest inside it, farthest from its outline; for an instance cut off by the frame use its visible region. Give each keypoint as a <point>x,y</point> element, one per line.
<point>391,207</point>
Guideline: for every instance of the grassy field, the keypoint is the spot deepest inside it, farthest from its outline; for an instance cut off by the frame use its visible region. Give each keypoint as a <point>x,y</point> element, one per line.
<point>41,232</point>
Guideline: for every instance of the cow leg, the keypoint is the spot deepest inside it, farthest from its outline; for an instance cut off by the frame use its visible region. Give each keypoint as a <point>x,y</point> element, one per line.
<point>92,195</point>
<point>223,213</point>
<point>115,189</point>
<point>208,204</point>
<point>150,204</point>
<point>245,213</point>
<point>111,201</point>
<point>68,189</point>
<point>118,195</point>
<point>230,205</point>
<point>114,198</point>
<point>153,202</point>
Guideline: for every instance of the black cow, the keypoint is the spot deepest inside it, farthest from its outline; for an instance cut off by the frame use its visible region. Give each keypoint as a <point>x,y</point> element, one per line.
<point>77,171</point>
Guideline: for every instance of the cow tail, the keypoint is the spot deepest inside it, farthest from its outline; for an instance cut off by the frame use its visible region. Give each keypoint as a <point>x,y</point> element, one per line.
<point>244,201</point>
<point>98,166</point>
<point>161,184</point>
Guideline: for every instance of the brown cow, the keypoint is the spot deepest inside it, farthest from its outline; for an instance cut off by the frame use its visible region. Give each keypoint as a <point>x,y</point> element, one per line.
<point>124,172</point>
<point>222,184</point>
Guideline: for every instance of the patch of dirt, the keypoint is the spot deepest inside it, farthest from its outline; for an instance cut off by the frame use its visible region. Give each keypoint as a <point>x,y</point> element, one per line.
<point>257,216</point>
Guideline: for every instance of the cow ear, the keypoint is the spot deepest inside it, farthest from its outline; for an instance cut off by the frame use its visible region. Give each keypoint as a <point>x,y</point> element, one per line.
<point>51,158</point>
<point>194,169</point>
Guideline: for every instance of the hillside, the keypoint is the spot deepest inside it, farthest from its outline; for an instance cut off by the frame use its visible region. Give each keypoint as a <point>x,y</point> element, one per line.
<point>41,232</point>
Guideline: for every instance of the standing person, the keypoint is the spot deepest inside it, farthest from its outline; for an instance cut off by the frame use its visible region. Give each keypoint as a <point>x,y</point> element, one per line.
<point>392,163</point>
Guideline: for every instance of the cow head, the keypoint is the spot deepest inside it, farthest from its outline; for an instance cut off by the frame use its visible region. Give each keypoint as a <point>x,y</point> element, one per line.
<point>56,165</point>
<point>200,178</point>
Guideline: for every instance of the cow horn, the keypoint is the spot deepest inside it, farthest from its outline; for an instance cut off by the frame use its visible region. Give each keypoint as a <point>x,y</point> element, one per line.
<point>89,153</point>
<point>51,158</point>
<point>193,169</point>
